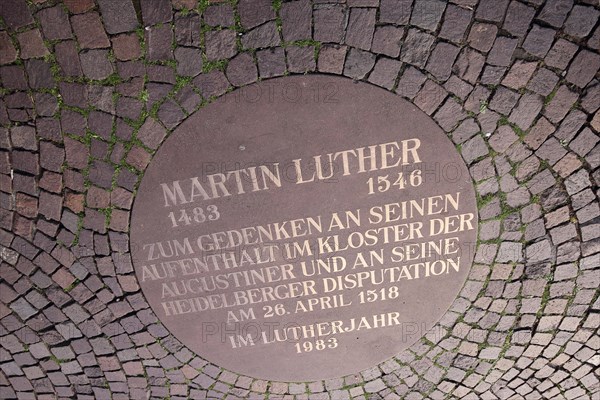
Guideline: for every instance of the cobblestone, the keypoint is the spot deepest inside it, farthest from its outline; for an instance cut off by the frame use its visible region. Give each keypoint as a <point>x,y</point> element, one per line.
<point>92,88</point>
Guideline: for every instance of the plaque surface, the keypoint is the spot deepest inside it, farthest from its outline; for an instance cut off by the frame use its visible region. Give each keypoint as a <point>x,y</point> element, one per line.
<point>303,228</point>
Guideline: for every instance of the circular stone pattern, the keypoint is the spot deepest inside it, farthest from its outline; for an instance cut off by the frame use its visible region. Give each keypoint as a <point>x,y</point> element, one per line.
<point>304,228</point>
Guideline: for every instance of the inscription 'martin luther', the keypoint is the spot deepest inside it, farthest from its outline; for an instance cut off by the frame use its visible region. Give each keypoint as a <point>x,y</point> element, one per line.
<point>264,177</point>
<point>309,231</point>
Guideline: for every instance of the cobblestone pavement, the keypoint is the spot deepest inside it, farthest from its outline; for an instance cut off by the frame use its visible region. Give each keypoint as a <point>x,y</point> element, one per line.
<point>515,85</point>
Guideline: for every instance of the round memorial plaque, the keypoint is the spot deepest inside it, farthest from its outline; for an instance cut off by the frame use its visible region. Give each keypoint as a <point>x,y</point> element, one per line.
<point>303,228</point>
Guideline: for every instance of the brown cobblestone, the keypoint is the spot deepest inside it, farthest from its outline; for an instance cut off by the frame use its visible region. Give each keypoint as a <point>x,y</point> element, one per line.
<point>513,83</point>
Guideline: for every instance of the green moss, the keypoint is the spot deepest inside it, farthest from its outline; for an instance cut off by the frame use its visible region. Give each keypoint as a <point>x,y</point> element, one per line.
<point>520,132</point>
<point>208,66</point>
<point>303,43</point>
<point>483,106</point>
<point>71,286</point>
<point>203,5</point>
<point>112,80</point>
<point>276,5</point>
<point>181,82</point>
<point>144,95</point>
<point>107,214</point>
<point>485,200</point>
<point>503,121</point>
<point>549,98</point>
<point>57,360</point>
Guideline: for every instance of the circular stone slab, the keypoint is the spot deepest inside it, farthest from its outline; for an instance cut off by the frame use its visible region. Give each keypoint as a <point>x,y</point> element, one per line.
<point>304,228</point>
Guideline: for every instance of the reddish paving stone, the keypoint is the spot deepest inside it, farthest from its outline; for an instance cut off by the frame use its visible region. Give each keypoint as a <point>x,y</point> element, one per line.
<point>456,22</point>
<point>126,47</point>
<point>543,82</point>
<point>395,11</point>
<point>296,19</point>
<point>387,40</point>
<point>584,142</point>
<point>55,23</point>
<point>50,205</point>
<point>31,44</point>
<point>361,25</point>
<point>583,68</point>
<point>100,123</point>
<point>157,11</point>
<point>490,10</point>
<point>213,83</point>
<point>40,74</point>
<point>555,12</point>
<point>300,59</point>
<point>221,44</point>
<point>519,74</point>
<point>331,59</point>
<point>121,198</point>
<point>415,49</point>
<point>13,77</point>
<point>219,15</point>
<point>458,87</point>
<point>441,60</point>
<point>89,31</point>
<point>410,83</point>
<point>101,174</point>
<point>16,14</point>
<point>118,17</point>
<point>594,41</point>
<point>502,51</point>
<point>170,114</point>
<point>159,40</point>
<point>271,62</point>
<point>51,156</point>
<point>504,100</point>
<point>64,279</point>
<point>539,40</point>
<point>184,4</point>
<point>358,63</point>
<point>241,70</point>
<point>97,197</point>
<point>385,73</point>
<point>426,14</point>
<point>581,21</point>
<point>23,137</point>
<point>518,18</point>
<point>469,65</point>
<point>561,104</point>
<point>26,205</point>
<point>129,108</point>
<point>265,35</point>
<point>8,53</point>
<point>79,6</point>
<point>68,59</point>
<point>46,105</point>
<point>25,161</point>
<point>119,221</point>
<point>430,97</point>
<point>328,23</point>
<point>561,53</point>
<point>189,61</point>
<point>526,111</point>
<point>571,149</point>
<point>96,64</point>
<point>591,99</point>
<point>551,151</point>
<point>187,30</point>
<point>538,134</point>
<point>255,12</point>
<point>450,114</point>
